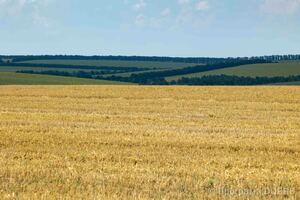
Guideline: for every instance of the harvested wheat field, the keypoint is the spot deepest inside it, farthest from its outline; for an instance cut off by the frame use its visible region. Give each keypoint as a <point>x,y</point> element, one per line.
<point>130,142</point>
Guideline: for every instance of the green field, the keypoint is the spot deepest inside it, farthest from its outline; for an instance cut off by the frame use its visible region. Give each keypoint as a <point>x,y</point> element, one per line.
<point>12,78</point>
<point>14,69</point>
<point>8,76</point>
<point>114,63</point>
<point>128,74</point>
<point>268,70</point>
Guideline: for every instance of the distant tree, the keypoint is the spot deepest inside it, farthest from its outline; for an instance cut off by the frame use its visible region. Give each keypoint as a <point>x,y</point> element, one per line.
<point>202,60</point>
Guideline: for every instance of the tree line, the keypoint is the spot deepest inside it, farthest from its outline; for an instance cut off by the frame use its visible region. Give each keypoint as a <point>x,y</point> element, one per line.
<point>78,74</point>
<point>202,60</point>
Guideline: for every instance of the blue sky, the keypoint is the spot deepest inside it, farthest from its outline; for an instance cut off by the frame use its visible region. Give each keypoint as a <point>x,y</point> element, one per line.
<point>150,27</point>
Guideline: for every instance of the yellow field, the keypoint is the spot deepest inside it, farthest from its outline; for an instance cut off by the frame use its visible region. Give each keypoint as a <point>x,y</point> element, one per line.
<point>129,142</point>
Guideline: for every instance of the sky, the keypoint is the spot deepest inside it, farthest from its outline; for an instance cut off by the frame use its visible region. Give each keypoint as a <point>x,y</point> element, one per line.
<point>187,28</point>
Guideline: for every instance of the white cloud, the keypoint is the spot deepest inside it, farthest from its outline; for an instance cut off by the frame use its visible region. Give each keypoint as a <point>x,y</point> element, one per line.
<point>21,8</point>
<point>140,20</point>
<point>158,21</point>
<point>202,5</point>
<point>280,7</point>
<point>189,15</point>
<point>12,7</point>
<point>183,2</point>
<point>166,12</point>
<point>140,5</point>
<point>25,9</point>
<point>185,16</point>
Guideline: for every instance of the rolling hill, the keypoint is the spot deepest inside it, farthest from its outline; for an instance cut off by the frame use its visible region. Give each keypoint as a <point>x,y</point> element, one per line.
<point>253,70</point>
<point>114,63</point>
<point>145,72</point>
<point>12,78</point>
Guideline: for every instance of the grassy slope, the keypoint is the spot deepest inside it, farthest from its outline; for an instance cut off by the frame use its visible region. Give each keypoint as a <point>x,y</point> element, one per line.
<point>141,64</point>
<point>127,74</point>
<point>14,69</point>
<point>11,78</point>
<point>270,70</point>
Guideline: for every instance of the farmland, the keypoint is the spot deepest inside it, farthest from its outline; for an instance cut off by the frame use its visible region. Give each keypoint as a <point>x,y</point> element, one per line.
<point>12,78</point>
<point>254,70</point>
<point>129,142</point>
<point>114,63</point>
<point>19,68</point>
<point>103,67</point>
<point>159,70</point>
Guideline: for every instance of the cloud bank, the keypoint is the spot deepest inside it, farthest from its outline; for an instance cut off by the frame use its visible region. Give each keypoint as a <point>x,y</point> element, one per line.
<point>22,9</point>
<point>280,7</point>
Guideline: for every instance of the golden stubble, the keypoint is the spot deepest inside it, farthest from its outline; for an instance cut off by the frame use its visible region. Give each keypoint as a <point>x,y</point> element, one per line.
<point>130,142</point>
